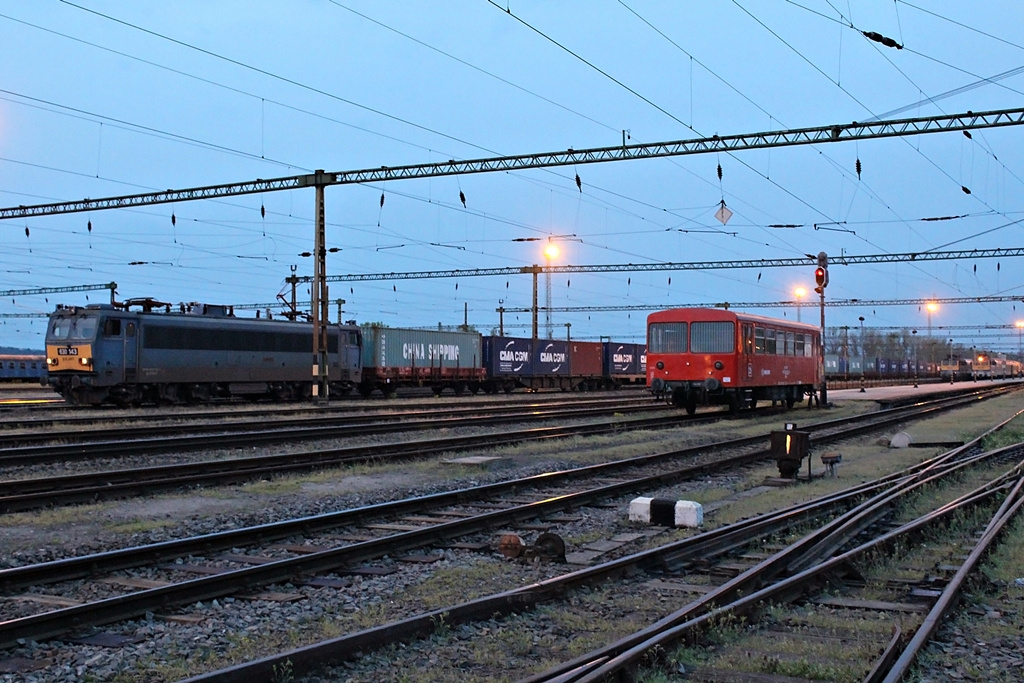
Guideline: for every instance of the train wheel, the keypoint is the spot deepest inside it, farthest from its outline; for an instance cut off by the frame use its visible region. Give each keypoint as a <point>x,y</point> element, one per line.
<point>790,402</point>
<point>734,403</point>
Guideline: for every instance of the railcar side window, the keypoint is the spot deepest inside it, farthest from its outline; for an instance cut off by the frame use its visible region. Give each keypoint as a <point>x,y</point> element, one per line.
<point>799,349</point>
<point>758,340</point>
<point>667,338</point>
<point>718,337</point>
<point>790,343</point>
<point>748,338</point>
<point>769,342</point>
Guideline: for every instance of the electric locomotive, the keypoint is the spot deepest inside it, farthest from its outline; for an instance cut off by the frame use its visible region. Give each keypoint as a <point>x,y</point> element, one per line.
<point>710,356</point>
<point>107,353</point>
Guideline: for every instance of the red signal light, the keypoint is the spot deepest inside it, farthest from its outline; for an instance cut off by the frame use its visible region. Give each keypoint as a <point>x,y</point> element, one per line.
<point>819,277</point>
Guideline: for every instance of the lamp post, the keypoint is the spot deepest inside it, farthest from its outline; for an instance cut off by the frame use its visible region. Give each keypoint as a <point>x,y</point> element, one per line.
<point>913,339</point>
<point>1020,326</point>
<point>862,357</point>
<point>931,307</point>
<point>550,253</point>
<point>952,369</point>
<point>799,293</point>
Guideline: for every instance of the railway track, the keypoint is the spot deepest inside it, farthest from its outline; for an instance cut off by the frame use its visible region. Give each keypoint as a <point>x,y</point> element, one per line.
<point>823,557</point>
<point>32,493</point>
<point>399,529</point>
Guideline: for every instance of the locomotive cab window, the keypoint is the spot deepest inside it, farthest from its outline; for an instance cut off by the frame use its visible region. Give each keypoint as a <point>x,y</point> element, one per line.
<point>667,338</point>
<point>112,327</point>
<point>717,337</point>
<point>73,328</point>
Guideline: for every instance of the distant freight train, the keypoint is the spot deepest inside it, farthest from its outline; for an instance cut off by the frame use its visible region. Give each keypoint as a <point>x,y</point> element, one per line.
<point>106,353</point>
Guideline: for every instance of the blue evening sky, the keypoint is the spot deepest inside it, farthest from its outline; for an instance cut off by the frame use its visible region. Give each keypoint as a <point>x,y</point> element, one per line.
<point>100,98</point>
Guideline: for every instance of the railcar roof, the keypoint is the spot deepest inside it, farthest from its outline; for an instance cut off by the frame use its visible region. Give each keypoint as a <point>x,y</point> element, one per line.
<point>714,314</point>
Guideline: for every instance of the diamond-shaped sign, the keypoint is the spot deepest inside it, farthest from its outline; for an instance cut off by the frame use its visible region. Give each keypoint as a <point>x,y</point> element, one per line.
<point>723,214</point>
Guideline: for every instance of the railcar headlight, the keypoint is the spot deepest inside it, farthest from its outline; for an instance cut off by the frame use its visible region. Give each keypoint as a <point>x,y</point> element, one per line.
<point>719,365</point>
<point>660,365</point>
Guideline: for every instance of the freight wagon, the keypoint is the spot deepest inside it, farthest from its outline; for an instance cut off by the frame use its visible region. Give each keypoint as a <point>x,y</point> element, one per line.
<point>109,353</point>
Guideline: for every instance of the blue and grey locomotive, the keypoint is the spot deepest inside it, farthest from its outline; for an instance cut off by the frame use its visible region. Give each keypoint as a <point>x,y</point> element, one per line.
<point>106,353</point>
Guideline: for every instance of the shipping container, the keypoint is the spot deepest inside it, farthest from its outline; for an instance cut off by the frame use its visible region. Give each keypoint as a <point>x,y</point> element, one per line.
<point>586,360</point>
<point>551,358</point>
<point>395,357</point>
<point>508,356</point>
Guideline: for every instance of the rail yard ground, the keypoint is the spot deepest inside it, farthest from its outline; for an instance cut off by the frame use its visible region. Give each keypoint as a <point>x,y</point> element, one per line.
<point>983,642</point>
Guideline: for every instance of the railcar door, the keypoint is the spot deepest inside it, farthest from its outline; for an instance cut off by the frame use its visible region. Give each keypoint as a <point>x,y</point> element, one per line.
<point>747,353</point>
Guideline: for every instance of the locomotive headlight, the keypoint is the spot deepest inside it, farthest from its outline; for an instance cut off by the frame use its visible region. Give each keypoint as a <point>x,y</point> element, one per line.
<point>719,365</point>
<point>85,361</point>
<point>660,365</point>
<point>51,361</point>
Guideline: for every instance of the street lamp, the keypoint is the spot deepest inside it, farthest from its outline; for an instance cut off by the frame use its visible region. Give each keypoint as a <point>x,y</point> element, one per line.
<point>799,292</point>
<point>1020,326</point>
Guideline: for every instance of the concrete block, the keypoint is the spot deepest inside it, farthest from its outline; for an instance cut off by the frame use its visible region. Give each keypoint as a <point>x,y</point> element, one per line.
<point>664,512</point>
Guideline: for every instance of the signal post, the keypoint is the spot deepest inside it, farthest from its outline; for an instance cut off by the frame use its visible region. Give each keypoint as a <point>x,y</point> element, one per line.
<point>821,281</point>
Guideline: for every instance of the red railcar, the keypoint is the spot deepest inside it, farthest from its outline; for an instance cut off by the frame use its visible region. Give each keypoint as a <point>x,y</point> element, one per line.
<point>711,356</point>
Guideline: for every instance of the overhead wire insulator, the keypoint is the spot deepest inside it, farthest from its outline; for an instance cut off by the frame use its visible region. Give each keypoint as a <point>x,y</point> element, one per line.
<point>382,200</point>
<point>462,198</point>
<point>966,191</point>
<point>263,211</point>
<point>89,226</point>
<point>579,183</point>
<point>858,167</point>
<point>879,38</point>
<point>968,135</point>
<point>719,173</point>
<point>174,220</point>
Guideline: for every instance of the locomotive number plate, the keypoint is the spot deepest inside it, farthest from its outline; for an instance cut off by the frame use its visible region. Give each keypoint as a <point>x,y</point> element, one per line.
<point>68,351</point>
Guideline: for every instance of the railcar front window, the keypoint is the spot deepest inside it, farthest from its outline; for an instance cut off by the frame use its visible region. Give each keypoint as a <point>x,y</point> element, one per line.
<point>667,338</point>
<point>719,337</point>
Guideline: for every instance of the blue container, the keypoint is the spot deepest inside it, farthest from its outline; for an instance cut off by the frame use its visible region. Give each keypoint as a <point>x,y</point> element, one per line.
<point>508,356</point>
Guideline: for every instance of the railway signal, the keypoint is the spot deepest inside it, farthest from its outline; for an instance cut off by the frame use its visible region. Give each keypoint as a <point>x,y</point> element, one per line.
<point>821,273</point>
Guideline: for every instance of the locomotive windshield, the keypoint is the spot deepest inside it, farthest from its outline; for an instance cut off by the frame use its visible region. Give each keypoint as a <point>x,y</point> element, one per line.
<point>666,338</point>
<point>713,337</point>
<point>76,328</point>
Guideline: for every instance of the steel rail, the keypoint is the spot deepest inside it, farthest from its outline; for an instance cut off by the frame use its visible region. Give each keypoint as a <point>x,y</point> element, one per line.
<point>31,493</point>
<point>708,544</point>
<point>787,590</point>
<point>135,440</point>
<point>61,621</point>
<point>951,593</point>
<point>243,434</point>
<point>26,494</point>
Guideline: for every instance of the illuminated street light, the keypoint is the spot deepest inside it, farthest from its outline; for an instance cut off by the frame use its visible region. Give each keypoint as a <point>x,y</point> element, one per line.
<point>799,292</point>
<point>1020,326</point>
